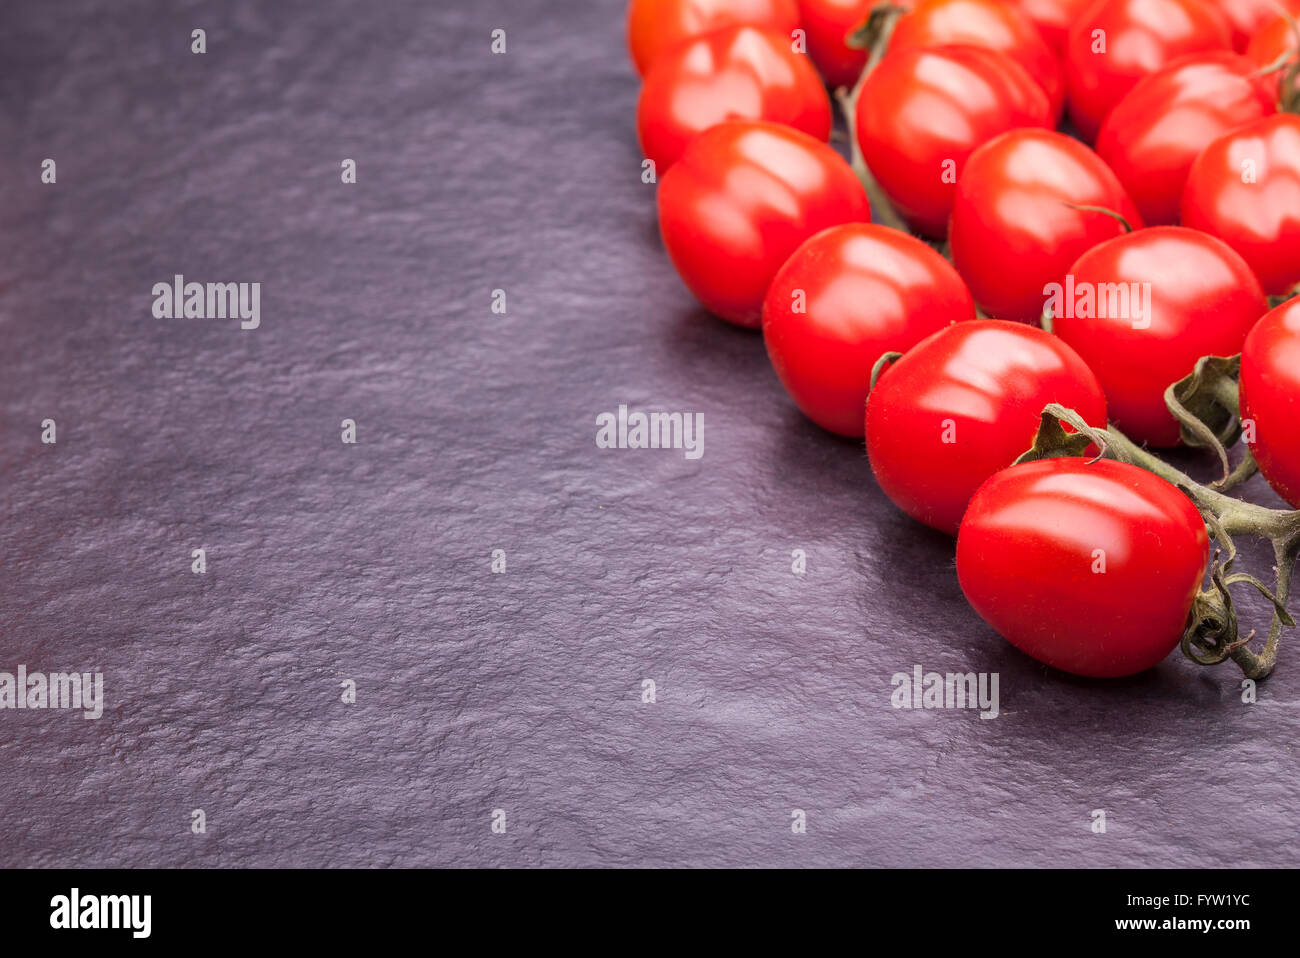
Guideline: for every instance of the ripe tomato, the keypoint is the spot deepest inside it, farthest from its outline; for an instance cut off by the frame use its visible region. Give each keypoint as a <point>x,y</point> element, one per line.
<point>827,23</point>
<point>1274,39</point>
<point>1141,309</point>
<point>736,73</point>
<point>982,23</point>
<point>1245,189</point>
<point>1153,135</point>
<point>1270,397</point>
<point>656,26</point>
<point>1089,567</point>
<point>921,113</point>
<point>743,197</point>
<point>964,404</point>
<point>1115,43</point>
<point>1248,17</point>
<point>1013,231</point>
<point>1053,18</point>
<point>846,297</point>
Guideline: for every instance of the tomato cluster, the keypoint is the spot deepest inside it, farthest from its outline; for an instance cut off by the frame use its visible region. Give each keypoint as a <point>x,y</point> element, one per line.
<point>1092,194</point>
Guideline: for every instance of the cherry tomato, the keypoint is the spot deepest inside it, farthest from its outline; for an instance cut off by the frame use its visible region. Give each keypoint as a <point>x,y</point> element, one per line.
<point>736,73</point>
<point>1053,18</point>
<point>982,23</point>
<point>1248,17</point>
<point>743,197</point>
<point>1141,309</point>
<point>921,113</point>
<point>965,403</point>
<point>1270,397</point>
<point>1245,189</point>
<point>1267,46</point>
<point>656,26</point>
<point>1115,43</point>
<point>846,297</point>
<point>1089,567</point>
<point>1013,226</point>
<point>1153,135</point>
<point>827,23</point>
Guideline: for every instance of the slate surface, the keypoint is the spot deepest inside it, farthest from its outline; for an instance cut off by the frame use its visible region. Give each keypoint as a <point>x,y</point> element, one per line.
<point>478,691</point>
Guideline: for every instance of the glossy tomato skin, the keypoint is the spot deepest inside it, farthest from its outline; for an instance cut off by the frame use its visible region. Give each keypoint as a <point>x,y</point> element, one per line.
<point>743,197</point>
<point>1053,18</point>
<point>736,73</point>
<point>1274,39</point>
<point>921,113</point>
<point>827,23</point>
<point>1248,17</point>
<point>964,404</point>
<point>1259,219</point>
<point>657,26</point>
<point>1089,567</point>
<point>1203,300</point>
<point>1270,397</point>
<point>1141,36</point>
<point>846,297</point>
<point>1012,231</point>
<point>1153,135</point>
<point>991,24</point>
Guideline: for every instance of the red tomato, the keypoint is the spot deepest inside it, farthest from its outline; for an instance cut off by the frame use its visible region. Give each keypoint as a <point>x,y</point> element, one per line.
<point>1089,567</point>
<point>827,23</point>
<point>964,404</point>
<point>1245,189</point>
<point>1053,18</point>
<point>1268,45</point>
<point>1115,43</point>
<point>846,297</point>
<point>656,26</point>
<point>1270,397</point>
<point>736,73</point>
<point>1141,309</point>
<point>921,113</point>
<point>1248,17</point>
<point>743,197</point>
<point>982,23</point>
<point>1013,230</point>
<point>1155,133</point>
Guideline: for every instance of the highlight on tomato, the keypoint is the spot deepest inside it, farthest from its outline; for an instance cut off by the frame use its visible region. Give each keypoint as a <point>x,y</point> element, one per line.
<point>921,114</point>
<point>1153,135</point>
<point>736,73</point>
<point>1019,220</point>
<point>1115,43</point>
<point>847,296</point>
<point>1091,567</point>
<point>1052,18</point>
<point>1270,398</point>
<point>991,24</point>
<point>657,26</point>
<point>1244,188</point>
<point>1142,308</point>
<point>742,198</point>
<point>827,25</point>
<point>964,404</point>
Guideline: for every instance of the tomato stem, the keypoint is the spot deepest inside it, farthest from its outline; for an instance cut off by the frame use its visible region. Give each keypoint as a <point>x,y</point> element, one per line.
<point>1128,227</point>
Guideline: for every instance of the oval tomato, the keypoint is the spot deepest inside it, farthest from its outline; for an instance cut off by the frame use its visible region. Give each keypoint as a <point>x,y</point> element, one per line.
<point>1270,397</point>
<point>827,24</point>
<point>966,403</point>
<point>1141,309</point>
<point>742,198</point>
<point>1089,567</point>
<point>1248,17</point>
<point>846,297</point>
<point>1115,43</point>
<point>1245,189</point>
<point>921,113</point>
<point>736,73</point>
<point>982,23</point>
<point>1270,43</point>
<point>656,26</point>
<point>1155,133</point>
<point>1013,226</point>
<point>1053,18</point>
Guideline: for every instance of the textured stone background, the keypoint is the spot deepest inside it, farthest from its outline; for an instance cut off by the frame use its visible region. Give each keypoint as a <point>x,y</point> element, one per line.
<point>476,432</point>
